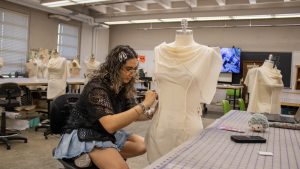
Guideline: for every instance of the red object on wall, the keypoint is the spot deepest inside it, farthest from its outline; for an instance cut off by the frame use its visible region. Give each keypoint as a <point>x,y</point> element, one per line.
<point>142,58</point>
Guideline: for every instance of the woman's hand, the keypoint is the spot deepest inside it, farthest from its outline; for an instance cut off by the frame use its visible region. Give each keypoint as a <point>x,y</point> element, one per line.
<point>150,97</point>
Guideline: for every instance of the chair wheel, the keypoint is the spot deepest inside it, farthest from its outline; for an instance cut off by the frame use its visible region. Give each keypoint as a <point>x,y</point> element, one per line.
<point>7,147</point>
<point>25,141</point>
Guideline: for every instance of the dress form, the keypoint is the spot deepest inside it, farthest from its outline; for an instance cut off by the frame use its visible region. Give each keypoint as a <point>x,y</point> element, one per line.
<point>31,68</point>
<point>57,76</point>
<point>264,85</point>
<point>74,70</point>
<point>91,65</point>
<point>42,62</point>
<point>188,71</point>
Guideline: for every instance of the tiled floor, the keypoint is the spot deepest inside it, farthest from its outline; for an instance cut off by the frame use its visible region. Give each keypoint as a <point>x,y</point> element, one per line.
<point>37,153</point>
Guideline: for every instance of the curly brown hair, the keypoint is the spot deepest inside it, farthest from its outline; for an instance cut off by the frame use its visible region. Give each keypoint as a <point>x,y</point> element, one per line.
<point>111,69</point>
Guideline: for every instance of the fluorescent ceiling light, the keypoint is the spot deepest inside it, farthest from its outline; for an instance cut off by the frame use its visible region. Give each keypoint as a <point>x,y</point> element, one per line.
<point>117,22</point>
<point>176,19</point>
<point>146,21</point>
<point>58,3</point>
<point>295,15</point>
<point>252,17</point>
<point>213,18</point>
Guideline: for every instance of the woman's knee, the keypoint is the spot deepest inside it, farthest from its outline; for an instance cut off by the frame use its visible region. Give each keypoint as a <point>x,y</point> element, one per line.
<point>141,148</point>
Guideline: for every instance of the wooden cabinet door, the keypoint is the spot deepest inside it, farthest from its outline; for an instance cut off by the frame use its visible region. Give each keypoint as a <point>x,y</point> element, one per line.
<point>248,64</point>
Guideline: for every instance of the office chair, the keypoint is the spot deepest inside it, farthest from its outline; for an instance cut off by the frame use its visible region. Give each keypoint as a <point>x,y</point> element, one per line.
<point>9,91</point>
<point>226,106</point>
<point>242,104</point>
<point>59,113</point>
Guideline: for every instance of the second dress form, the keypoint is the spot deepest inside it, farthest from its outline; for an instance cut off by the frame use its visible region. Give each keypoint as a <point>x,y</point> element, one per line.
<point>57,76</point>
<point>91,64</point>
<point>264,85</point>
<point>186,75</point>
<point>74,72</point>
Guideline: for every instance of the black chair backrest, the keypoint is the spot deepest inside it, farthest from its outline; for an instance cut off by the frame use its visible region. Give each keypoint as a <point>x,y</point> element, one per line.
<point>60,110</point>
<point>10,90</point>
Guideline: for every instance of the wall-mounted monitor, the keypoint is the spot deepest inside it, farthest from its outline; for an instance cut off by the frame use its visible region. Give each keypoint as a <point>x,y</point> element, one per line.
<point>231,60</point>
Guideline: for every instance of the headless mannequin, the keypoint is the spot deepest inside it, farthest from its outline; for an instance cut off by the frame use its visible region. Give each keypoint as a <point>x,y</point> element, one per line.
<point>264,85</point>
<point>181,69</point>
<point>42,62</point>
<point>57,76</point>
<point>74,70</point>
<point>91,65</point>
<point>31,68</point>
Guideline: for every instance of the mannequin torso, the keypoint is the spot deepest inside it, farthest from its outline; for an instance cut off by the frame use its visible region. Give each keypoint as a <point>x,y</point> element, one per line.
<point>264,85</point>
<point>181,70</point>
<point>57,76</point>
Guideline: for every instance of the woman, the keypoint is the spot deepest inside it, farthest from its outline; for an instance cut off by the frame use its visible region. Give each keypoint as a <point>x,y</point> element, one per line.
<point>105,106</point>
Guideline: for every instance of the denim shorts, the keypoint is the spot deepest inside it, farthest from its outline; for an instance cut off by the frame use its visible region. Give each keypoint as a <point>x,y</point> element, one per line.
<point>69,145</point>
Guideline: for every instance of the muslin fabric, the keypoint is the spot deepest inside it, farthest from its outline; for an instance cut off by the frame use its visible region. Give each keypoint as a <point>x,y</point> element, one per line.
<point>186,76</point>
<point>264,85</point>
<point>57,77</point>
<point>91,65</point>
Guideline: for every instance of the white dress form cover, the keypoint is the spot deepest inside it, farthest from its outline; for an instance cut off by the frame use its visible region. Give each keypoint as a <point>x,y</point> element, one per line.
<point>31,68</point>
<point>91,64</point>
<point>57,76</point>
<point>186,74</point>
<point>42,63</point>
<point>264,85</point>
<point>74,70</point>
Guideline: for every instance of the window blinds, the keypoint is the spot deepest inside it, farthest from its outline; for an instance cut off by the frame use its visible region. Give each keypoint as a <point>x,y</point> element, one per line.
<point>13,41</point>
<point>67,44</point>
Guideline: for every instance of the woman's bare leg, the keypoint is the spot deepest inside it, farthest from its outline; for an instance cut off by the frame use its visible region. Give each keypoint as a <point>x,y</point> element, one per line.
<point>108,158</point>
<point>134,146</point>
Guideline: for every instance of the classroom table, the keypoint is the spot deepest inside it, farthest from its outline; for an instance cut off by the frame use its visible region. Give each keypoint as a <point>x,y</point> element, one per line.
<point>234,87</point>
<point>213,148</point>
<point>39,82</point>
<point>290,98</point>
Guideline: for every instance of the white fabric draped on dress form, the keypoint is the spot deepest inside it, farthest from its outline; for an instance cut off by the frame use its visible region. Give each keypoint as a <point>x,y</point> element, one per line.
<point>91,64</point>
<point>186,76</point>
<point>57,77</point>
<point>264,85</point>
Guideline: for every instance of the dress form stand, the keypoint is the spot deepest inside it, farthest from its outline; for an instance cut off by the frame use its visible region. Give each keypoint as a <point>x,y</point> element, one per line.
<point>74,71</point>
<point>264,85</point>
<point>91,65</point>
<point>190,72</point>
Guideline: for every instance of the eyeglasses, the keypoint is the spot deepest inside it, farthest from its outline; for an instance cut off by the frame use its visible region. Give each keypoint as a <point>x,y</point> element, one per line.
<point>130,70</point>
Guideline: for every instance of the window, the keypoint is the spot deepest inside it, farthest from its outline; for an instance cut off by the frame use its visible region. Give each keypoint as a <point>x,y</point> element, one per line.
<point>67,41</point>
<point>13,41</point>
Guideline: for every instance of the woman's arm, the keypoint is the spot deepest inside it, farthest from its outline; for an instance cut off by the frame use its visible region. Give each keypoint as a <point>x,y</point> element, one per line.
<point>112,123</point>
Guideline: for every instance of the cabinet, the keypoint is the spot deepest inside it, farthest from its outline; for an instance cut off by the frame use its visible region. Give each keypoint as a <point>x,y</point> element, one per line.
<point>248,64</point>
<point>297,79</point>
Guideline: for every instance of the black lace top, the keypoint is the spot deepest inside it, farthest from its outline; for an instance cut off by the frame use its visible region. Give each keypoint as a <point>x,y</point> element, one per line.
<point>96,100</point>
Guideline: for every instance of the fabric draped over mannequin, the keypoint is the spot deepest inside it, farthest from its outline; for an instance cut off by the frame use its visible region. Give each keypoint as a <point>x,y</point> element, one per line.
<point>91,65</point>
<point>57,77</point>
<point>264,85</point>
<point>186,76</point>
<point>31,68</point>
<point>74,70</point>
